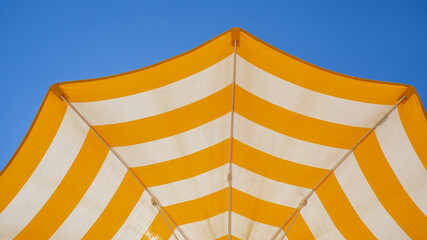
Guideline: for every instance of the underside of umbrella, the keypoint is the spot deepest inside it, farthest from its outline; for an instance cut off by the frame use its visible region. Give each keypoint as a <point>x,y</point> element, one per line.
<point>234,139</point>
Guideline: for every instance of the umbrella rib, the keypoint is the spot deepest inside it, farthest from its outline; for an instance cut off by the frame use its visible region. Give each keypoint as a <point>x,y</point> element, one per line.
<point>230,170</point>
<point>155,201</point>
<point>290,225</point>
<point>305,199</point>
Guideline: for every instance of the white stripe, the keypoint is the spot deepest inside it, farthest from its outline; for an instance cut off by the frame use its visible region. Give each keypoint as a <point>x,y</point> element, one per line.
<point>267,189</point>
<point>365,202</point>
<point>211,228</point>
<point>139,220</point>
<point>159,100</point>
<point>178,145</point>
<point>305,101</point>
<point>318,220</point>
<point>94,201</point>
<point>216,227</point>
<point>403,159</point>
<point>192,188</point>
<point>285,147</point>
<point>247,229</point>
<point>46,177</point>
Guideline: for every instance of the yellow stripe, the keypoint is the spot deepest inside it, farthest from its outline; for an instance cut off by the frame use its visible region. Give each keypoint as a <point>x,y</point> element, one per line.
<point>226,238</point>
<point>199,209</point>
<point>32,149</point>
<point>341,211</point>
<point>388,189</point>
<point>117,210</point>
<point>268,213</point>
<point>299,230</point>
<point>69,192</point>
<point>259,210</point>
<point>185,167</point>
<point>296,125</point>
<point>158,229</point>
<point>301,73</point>
<point>414,121</point>
<point>276,168</point>
<point>151,77</point>
<point>169,123</point>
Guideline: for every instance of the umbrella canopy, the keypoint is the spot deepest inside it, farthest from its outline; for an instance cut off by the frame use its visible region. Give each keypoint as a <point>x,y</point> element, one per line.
<point>234,139</point>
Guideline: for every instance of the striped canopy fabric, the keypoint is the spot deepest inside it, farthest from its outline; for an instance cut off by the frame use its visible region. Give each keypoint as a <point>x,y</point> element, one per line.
<point>234,139</point>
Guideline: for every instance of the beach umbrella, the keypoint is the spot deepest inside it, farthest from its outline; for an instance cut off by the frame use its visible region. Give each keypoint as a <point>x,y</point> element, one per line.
<point>234,139</point>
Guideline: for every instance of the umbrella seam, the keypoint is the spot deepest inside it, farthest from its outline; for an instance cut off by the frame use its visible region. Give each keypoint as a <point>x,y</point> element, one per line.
<point>230,171</point>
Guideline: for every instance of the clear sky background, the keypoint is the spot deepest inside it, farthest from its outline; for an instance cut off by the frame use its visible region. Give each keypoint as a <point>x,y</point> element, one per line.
<point>44,42</point>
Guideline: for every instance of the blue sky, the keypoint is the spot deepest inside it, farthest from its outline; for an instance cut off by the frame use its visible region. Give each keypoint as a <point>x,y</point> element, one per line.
<point>44,42</point>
